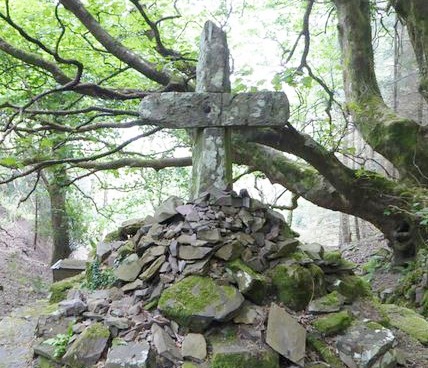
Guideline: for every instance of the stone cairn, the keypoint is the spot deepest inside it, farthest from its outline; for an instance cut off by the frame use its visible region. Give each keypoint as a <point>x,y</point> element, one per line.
<point>215,282</point>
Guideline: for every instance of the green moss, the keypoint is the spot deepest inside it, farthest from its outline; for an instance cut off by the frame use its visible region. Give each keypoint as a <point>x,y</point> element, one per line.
<point>299,256</point>
<point>43,362</point>
<point>152,304</point>
<point>333,257</point>
<point>97,330</point>
<point>294,285</point>
<point>113,236</point>
<point>189,365</point>
<point>268,359</point>
<point>36,309</point>
<point>318,280</point>
<point>325,351</point>
<point>424,311</point>
<point>191,296</point>
<point>374,325</point>
<point>333,323</point>
<point>126,249</point>
<point>59,289</point>
<point>383,316</point>
<point>352,287</point>
<point>239,265</point>
<point>252,284</point>
<point>407,321</point>
<point>333,299</point>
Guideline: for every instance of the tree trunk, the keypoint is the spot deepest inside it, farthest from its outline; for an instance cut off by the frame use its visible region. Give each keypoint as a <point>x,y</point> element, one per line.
<point>345,230</point>
<point>402,141</point>
<point>413,14</point>
<point>59,217</point>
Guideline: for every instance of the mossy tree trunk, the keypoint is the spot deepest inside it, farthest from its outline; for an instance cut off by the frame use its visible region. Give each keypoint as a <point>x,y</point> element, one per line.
<point>413,13</point>
<point>402,141</point>
<point>59,217</point>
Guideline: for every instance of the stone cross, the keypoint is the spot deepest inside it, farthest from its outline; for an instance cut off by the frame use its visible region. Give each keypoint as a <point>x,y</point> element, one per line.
<point>212,110</point>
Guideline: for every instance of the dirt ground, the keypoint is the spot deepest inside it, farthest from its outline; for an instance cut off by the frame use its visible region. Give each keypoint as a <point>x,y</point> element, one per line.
<point>25,273</point>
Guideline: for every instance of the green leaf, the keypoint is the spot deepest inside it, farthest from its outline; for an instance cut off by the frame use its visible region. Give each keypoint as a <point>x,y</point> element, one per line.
<point>9,162</point>
<point>307,82</point>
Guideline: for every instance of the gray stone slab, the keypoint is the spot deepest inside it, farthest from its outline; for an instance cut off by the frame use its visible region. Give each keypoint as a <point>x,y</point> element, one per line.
<point>194,346</point>
<point>365,345</point>
<point>184,110</point>
<point>285,335</point>
<point>132,355</point>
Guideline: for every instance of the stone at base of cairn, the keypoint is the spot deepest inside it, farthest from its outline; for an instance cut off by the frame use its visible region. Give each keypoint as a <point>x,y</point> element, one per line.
<point>224,273</point>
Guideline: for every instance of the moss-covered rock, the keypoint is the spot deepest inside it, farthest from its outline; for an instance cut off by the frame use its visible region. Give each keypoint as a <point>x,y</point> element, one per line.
<point>351,287</point>
<point>196,301</point>
<point>413,284</point>
<point>320,287</point>
<point>126,249</point>
<point>325,351</point>
<point>230,351</point>
<point>333,323</point>
<point>112,236</point>
<point>59,289</point>
<point>43,362</point>
<point>250,283</point>
<point>88,347</point>
<point>189,365</point>
<point>245,359</point>
<point>331,302</point>
<point>335,259</point>
<point>294,285</point>
<point>408,321</point>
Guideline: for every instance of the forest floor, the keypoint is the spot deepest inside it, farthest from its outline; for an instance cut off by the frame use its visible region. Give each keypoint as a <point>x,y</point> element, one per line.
<point>372,258</point>
<point>25,273</point>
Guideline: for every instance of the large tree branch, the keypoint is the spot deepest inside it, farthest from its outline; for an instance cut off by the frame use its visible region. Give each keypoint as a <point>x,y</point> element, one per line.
<point>400,140</point>
<point>156,164</point>
<point>298,178</point>
<point>113,46</point>
<point>89,89</point>
<point>332,186</point>
<point>287,139</point>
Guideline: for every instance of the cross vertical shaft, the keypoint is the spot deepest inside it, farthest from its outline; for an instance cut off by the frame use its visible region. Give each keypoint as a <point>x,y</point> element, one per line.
<point>212,161</point>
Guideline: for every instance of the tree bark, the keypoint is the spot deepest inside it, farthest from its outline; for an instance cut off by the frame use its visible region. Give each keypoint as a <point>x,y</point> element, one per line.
<point>332,185</point>
<point>59,218</point>
<point>402,141</point>
<point>413,13</point>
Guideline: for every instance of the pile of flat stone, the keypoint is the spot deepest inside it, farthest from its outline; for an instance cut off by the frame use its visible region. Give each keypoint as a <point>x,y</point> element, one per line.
<point>212,283</point>
<point>197,239</point>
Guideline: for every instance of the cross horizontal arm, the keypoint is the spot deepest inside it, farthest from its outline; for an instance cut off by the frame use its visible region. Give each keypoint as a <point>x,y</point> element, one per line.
<point>205,109</point>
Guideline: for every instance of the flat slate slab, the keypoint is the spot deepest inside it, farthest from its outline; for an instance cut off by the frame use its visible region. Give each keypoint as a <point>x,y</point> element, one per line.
<point>367,345</point>
<point>196,301</point>
<point>132,355</point>
<point>285,335</point>
<point>211,109</point>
